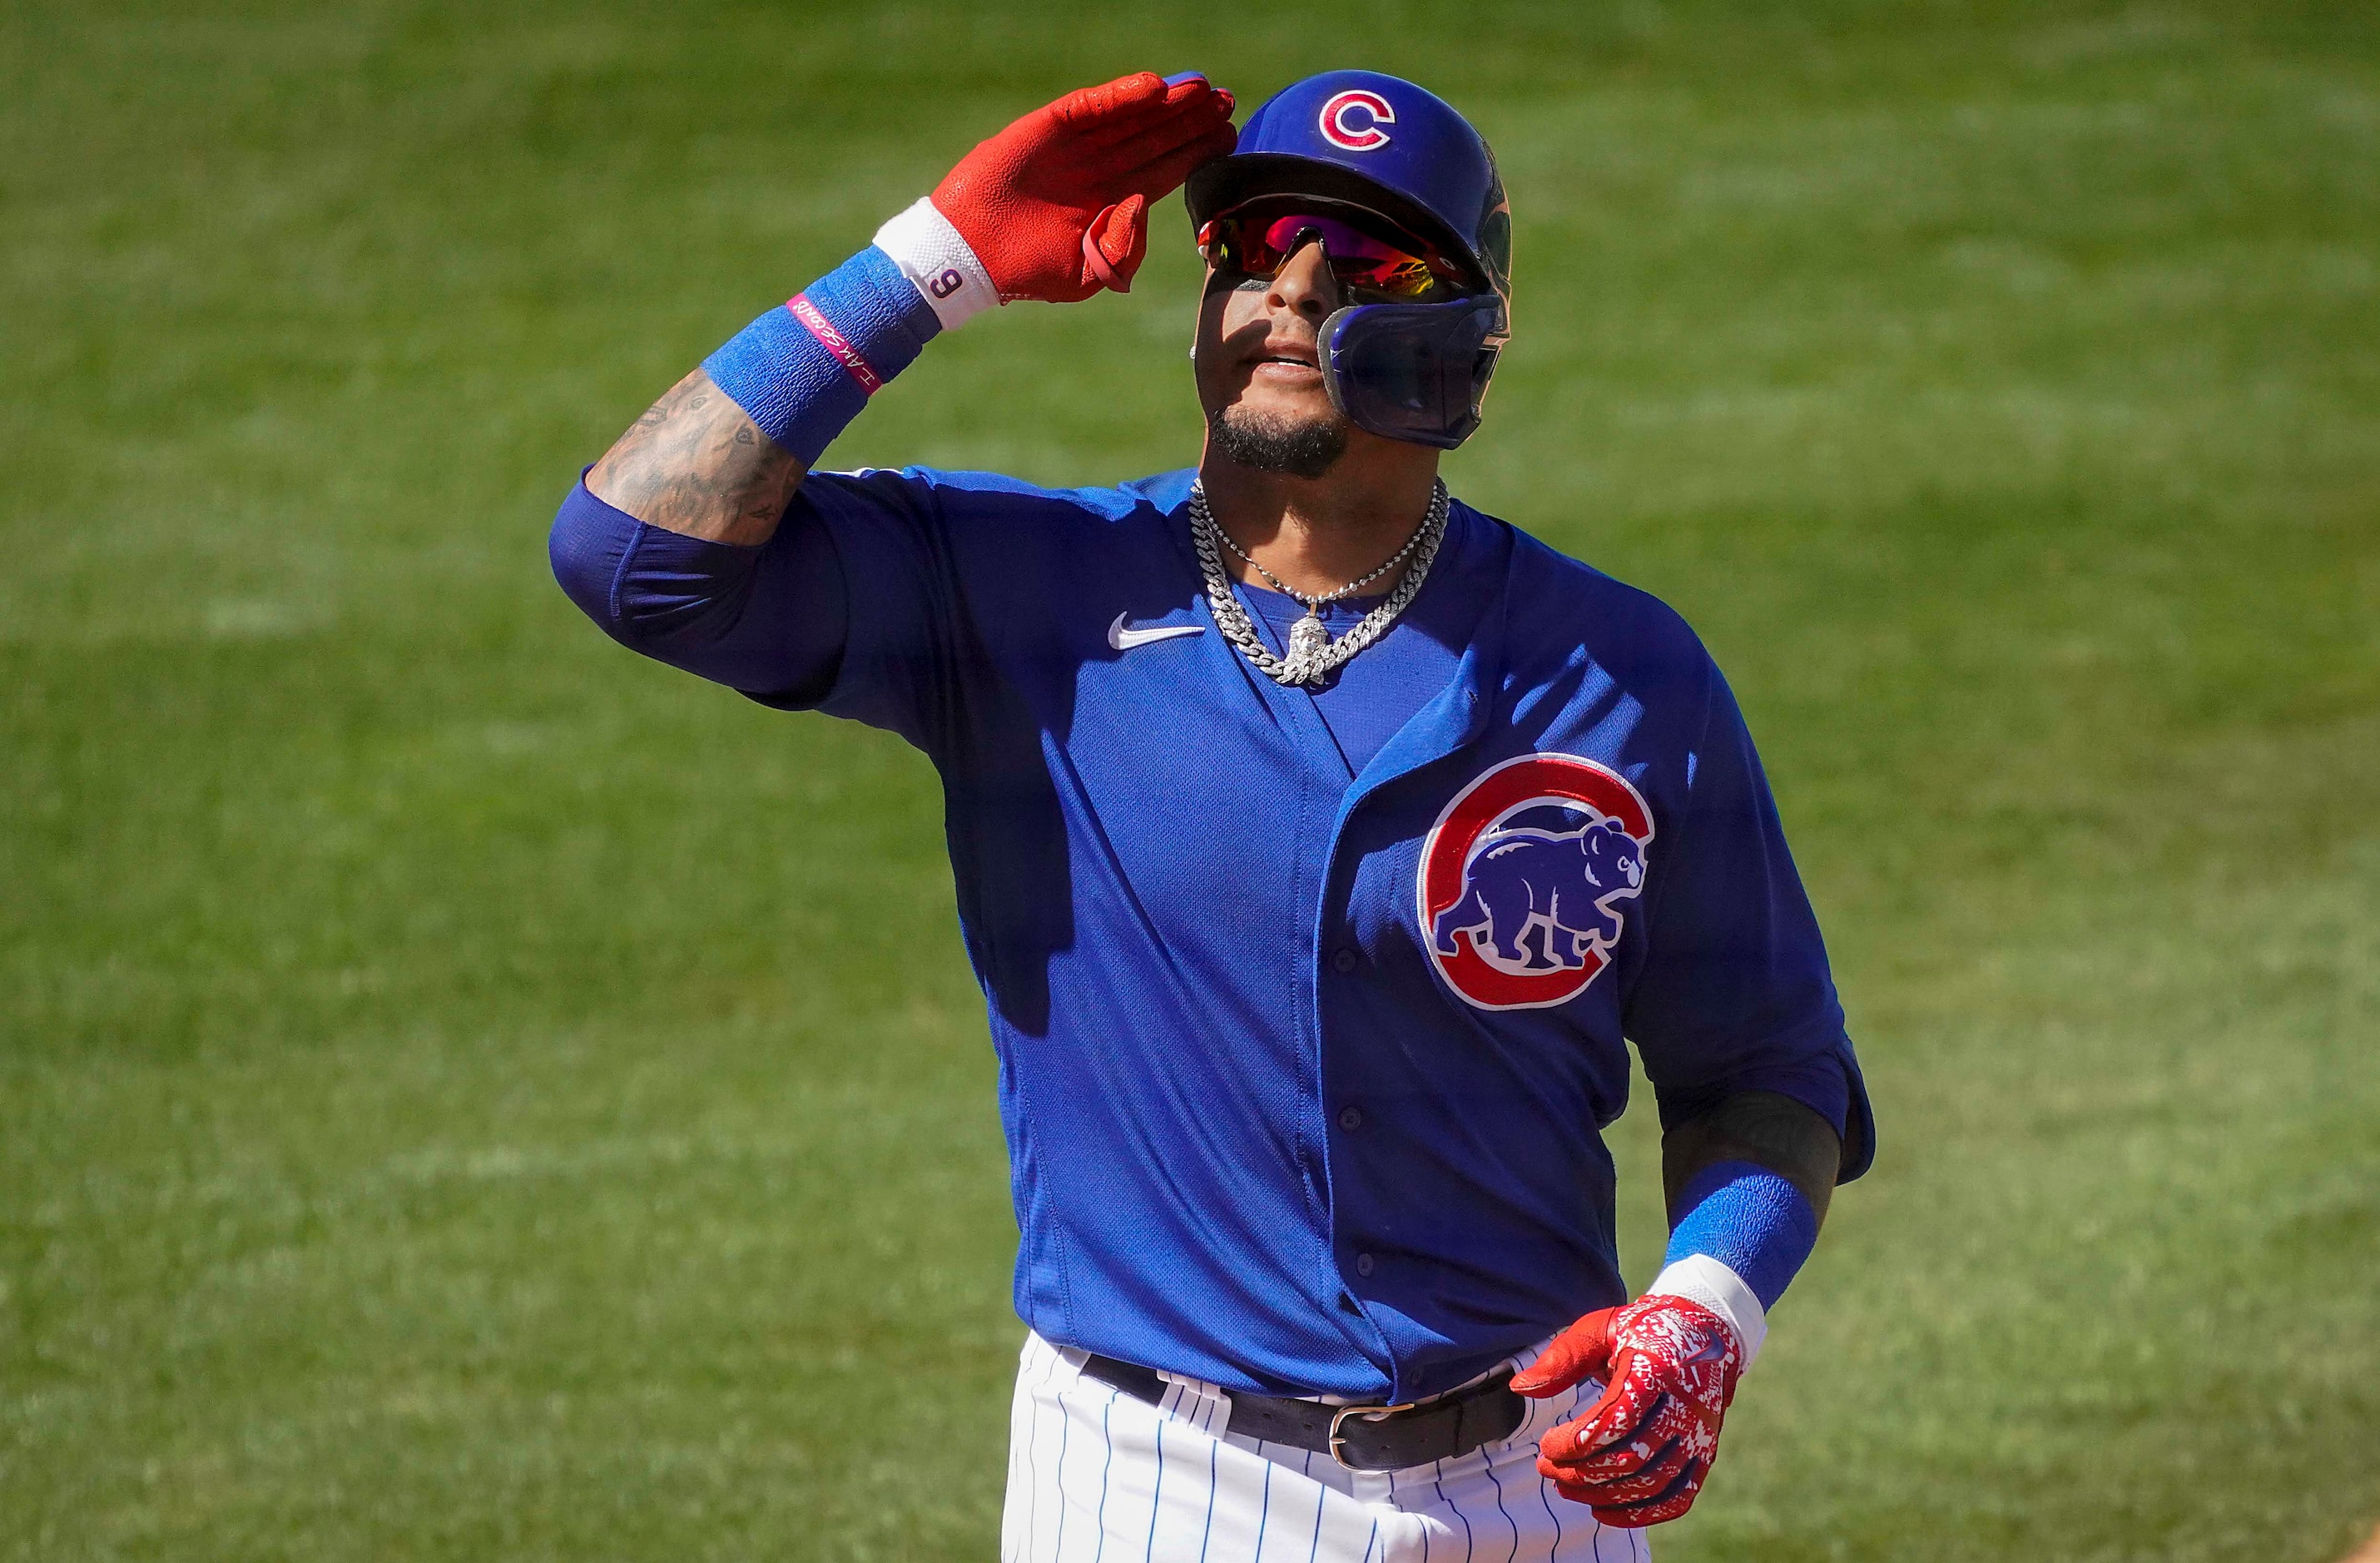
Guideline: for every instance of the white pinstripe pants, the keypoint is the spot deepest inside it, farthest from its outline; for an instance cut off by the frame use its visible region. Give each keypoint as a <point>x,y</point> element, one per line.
<point>1098,1476</point>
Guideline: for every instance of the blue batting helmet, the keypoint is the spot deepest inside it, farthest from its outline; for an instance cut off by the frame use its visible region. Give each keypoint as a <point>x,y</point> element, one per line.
<point>1406,371</point>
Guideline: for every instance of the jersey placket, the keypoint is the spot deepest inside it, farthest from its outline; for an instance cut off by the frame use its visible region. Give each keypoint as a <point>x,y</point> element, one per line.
<point>1324,786</point>
<point>1450,722</point>
<point>1447,723</point>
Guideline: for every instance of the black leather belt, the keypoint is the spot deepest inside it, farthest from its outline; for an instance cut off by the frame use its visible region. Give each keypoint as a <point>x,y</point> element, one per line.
<point>1359,1438</point>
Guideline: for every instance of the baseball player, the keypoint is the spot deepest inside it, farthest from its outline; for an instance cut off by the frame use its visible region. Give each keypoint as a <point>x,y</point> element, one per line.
<point>1317,841</point>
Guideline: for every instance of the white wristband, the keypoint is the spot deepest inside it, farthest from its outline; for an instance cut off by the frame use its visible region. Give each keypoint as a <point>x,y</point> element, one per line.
<point>931,254</point>
<point>1698,1277</point>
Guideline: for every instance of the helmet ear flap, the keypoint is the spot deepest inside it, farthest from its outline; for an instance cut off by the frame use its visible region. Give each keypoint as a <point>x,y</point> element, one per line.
<point>1416,372</point>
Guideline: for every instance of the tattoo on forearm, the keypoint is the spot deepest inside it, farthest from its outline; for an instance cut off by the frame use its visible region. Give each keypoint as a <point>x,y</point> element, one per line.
<point>695,464</point>
<point>1765,1127</point>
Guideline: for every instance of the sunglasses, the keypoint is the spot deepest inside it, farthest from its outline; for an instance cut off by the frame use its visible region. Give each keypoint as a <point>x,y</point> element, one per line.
<point>1375,256</point>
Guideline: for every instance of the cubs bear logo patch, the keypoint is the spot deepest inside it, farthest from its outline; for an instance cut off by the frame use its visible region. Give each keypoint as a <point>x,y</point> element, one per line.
<point>1525,879</point>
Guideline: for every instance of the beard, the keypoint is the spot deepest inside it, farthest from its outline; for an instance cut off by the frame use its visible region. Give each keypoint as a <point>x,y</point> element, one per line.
<point>1306,448</point>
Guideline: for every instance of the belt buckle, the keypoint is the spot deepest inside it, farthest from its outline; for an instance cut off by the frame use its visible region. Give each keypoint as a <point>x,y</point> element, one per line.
<point>1338,1438</point>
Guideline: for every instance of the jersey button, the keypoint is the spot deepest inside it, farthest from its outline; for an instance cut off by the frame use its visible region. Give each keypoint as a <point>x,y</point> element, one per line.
<point>1362,1264</point>
<point>1344,961</point>
<point>1351,1118</point>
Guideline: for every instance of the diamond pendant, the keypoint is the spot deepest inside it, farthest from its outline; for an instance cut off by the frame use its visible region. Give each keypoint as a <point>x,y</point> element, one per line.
<point>1307,639</point>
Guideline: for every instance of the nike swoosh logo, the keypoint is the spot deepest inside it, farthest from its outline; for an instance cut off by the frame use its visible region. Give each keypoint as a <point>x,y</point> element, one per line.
<point>1123,639</point>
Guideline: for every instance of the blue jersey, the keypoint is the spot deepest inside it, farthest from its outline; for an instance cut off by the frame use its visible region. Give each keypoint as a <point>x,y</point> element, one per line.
<point>1309,1021</point>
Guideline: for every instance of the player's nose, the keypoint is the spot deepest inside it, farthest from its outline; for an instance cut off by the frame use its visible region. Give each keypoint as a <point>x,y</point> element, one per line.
<point>1305,283</point>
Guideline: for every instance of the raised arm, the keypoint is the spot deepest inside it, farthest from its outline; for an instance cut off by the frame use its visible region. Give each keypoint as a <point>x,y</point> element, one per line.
<point>1053,208</point>
<point>696,464</point>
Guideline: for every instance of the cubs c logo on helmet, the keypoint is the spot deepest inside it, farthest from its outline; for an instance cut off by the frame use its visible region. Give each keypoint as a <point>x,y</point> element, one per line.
<point>1352,120</point>
<point>1521,904</point>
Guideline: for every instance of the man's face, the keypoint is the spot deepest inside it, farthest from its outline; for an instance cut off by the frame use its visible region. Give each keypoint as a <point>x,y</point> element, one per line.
<point>1258,370</point>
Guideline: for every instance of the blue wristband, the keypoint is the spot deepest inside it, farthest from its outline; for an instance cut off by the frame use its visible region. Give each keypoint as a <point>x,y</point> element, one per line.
<point>804,370</point>
<point>1750,1220</point>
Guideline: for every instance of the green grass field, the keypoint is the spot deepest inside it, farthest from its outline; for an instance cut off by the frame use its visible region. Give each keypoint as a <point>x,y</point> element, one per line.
<point>468,1092</point>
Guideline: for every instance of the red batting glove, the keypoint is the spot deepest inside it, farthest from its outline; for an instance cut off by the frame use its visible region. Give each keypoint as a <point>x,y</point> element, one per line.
<point>1638,1456</point>
<point>1056,206</point>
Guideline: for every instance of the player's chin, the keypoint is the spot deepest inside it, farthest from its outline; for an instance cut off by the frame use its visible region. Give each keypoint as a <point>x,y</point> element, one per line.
<point>1302,442</point>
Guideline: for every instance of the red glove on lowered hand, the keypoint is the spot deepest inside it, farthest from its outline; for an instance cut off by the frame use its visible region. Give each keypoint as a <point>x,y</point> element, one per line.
<point>1638,1456</point>
<point>1056,206</point>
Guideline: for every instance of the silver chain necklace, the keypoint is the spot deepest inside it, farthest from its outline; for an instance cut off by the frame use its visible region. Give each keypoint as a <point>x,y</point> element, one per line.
<point>1313,654</point>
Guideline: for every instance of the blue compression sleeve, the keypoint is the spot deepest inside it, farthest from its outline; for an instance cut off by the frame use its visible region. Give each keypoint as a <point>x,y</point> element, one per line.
<point>768,621</point>
<point>1750,1220</point>
<point>804,370</point>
